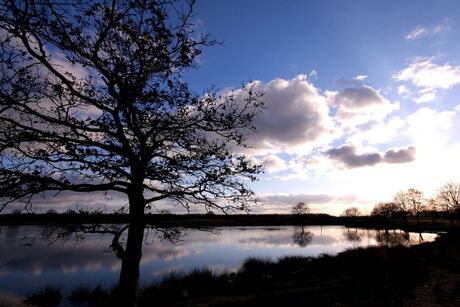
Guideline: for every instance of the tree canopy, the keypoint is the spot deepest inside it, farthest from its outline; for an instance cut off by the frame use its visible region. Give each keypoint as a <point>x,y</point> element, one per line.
<point>92,98</point>
<point>448,198</point>
<point>351,212</point>
<point>301,208</point>
<point>385,209</point>
<point>411,201</point>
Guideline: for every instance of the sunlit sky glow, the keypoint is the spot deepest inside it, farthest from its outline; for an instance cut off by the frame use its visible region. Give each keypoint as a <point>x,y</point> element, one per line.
<point>362,97</point>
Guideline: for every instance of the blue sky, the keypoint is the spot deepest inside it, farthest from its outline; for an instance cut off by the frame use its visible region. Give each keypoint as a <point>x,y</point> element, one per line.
<point>361,97</point>
<point>373,87</point>
<point>279,39</point>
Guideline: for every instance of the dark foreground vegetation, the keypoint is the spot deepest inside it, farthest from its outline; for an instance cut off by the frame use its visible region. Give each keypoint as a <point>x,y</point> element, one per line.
<point>422,275</point>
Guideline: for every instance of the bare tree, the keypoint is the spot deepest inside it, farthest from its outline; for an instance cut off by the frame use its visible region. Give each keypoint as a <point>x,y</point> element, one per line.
<point>448,199</point>
<point>388,209</point>
<point>351,212</point>
<point>410,201</point>
<point>301,208</point>
<point>92,99</point>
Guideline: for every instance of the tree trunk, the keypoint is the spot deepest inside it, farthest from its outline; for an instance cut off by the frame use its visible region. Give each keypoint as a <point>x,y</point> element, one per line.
<point>129,273</point>
<point>418,217</point>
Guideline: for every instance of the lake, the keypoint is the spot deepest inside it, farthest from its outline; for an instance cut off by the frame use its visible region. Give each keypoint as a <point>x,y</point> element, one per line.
<point>32,256</point>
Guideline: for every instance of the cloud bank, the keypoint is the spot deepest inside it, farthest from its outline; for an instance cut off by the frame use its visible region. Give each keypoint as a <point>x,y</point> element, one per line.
<point>429,77</point>
<point>349,157</point>
<point>296,116</point>
<point>359,105</point>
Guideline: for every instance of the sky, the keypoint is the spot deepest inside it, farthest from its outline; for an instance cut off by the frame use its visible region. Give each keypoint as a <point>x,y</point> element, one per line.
<point>361,97</point>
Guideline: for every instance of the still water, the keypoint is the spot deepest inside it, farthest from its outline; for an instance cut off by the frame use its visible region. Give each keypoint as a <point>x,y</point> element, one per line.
<point>32,257</point>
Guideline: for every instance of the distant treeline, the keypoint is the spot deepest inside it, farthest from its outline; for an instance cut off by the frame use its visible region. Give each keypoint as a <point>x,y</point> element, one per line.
<point>429,221</point>
<point>166,220</point>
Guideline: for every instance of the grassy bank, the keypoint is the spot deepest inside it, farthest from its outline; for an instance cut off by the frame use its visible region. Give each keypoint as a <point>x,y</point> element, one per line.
<point>376,276</point>
<point>422,275</point>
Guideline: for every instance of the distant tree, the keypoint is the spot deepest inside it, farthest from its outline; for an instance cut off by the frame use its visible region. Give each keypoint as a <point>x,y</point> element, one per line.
<point>351,212</point>
<point>388,210</point>
<point>301,208</point>
<point>164,211</point>
<point>448,199</point>
<point>399,199</point>
<point>410,202</point>
<point>71,211</point>
<point>51,211</point>
<point>432,204</point>
<point>93,99</point>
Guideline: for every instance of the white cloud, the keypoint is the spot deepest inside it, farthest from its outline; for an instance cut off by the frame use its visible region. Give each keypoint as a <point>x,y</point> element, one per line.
<point>422,31</point>
<point>430,128</point>
<point>360,77</point>
<point>295,119</point>
<point>416,33</point>
<point>429,76</point>
<point>273,163</point>
<point>360,105</point>
<point>402,90</point>
<point>378,133</point>
<point>425,98</point>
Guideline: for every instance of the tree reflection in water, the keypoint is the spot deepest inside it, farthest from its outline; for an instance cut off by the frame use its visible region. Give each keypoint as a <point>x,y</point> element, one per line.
<point>62,233</point>
<point>397,237</point>
<point>352,235</point>
<point>129,272</point>
<point>196,247</point>
<point>302,237</point>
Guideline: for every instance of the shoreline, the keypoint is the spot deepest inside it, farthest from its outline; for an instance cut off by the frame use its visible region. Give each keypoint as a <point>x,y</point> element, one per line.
<point>236,220</point>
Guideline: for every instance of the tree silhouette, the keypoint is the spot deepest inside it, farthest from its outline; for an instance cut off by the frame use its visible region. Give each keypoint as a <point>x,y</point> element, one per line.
<point>92,99</point>
<point>448,199</point>
<point>300,208</point>
<point>388,209</point>
<point>410,201</point>
<point>351,212</point>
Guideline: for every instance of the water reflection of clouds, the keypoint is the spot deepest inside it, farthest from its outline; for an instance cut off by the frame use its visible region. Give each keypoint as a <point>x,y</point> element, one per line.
<point>223,249</point>
<point>284,237</point>
<point>89,255</point>
<point>167,252</point>
<point>67,258</point>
